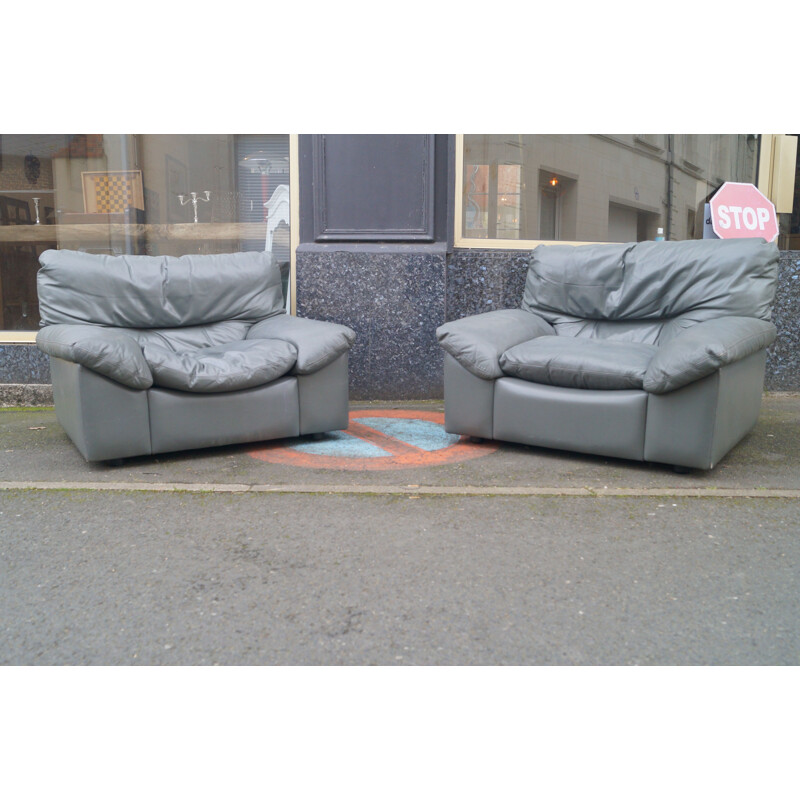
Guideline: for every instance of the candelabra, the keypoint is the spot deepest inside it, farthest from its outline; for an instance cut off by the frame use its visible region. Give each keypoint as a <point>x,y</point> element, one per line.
<point>194,199</point>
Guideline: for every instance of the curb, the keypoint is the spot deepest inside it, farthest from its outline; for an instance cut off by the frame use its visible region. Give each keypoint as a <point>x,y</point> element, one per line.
<point>409,490</point>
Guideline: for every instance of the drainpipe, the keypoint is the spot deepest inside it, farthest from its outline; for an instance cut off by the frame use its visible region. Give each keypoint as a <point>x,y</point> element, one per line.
<point>670,159</point>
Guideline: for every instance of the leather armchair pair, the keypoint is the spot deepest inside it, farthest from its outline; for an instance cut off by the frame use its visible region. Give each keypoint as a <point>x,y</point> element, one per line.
<point>652,351</point>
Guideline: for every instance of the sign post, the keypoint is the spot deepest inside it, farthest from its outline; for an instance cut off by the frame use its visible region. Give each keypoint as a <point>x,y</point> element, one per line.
<point>741,211</point>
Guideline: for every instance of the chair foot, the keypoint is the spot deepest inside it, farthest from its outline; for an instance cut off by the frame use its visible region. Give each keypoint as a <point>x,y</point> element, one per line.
<point>681,470</point>
<point>114,462</point>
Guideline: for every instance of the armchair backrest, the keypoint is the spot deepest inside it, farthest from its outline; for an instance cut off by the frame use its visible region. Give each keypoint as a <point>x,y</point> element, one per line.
<point>652,282</point>
<point>157,291</point>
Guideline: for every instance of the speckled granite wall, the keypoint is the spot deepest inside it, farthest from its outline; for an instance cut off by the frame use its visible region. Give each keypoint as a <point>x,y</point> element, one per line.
<point>24,376</point>
<point>394,301</point>
<point>485,280</point>
<point>23,363</point>
<point>783,357</point>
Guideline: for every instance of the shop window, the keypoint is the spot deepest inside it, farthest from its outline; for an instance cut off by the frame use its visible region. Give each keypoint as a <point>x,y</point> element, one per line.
<point>608,187</point>
<point>779,179</point>
<point>135,194</point>
<point>793,236</point>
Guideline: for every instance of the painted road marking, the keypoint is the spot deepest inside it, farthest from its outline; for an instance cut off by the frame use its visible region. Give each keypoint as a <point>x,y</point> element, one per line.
<point>377,440</point>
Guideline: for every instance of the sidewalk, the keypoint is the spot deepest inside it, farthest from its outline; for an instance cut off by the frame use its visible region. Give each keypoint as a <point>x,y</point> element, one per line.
<point>35,452</point>
<point>518,556</point>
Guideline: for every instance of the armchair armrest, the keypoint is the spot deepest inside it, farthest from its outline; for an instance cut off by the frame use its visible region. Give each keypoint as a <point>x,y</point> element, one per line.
<point>108,351</point>
<point>318,342</point>
<point>477,342</point>
<point>703,349</point>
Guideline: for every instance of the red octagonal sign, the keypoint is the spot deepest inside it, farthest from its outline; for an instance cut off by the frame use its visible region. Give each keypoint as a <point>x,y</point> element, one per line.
<point>740,211</point>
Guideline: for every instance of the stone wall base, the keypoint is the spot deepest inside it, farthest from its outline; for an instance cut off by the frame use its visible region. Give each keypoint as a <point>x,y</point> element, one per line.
<point>25,394</point>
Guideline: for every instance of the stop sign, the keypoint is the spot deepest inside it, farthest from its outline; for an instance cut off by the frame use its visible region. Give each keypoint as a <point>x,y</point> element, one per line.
<point>740,211</point>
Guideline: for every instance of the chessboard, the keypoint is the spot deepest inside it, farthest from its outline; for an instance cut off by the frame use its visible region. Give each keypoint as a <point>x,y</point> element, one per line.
<point>112,192</point>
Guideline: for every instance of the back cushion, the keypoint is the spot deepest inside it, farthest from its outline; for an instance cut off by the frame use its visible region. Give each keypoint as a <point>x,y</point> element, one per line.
<point>157,291</point>
<point>694,280</point>
<point>575,281</point>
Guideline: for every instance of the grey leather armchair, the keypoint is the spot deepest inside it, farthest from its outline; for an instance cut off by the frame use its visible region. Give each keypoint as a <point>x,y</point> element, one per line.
<point>151,354</point>
<point>652,351</point>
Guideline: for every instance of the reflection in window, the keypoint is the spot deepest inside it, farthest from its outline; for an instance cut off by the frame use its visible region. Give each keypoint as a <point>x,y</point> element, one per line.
<point>549,212</point>
<point>508,201</point>
<point>136,194</point>
<point>596,188</point>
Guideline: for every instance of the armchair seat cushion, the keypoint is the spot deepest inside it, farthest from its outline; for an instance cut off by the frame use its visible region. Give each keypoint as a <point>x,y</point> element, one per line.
<point>220,368</point>
<point>579,363</point>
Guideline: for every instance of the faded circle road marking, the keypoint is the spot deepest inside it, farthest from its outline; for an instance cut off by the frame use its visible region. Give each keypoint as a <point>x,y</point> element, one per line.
<point>375,440</point>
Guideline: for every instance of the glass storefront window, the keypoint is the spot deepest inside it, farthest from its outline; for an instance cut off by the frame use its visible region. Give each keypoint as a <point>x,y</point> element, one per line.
<point>135,194</point>
<point>596,188</point>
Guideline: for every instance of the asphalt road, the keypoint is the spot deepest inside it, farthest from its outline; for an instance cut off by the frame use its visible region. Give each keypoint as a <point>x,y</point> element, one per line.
<point>181,578</point>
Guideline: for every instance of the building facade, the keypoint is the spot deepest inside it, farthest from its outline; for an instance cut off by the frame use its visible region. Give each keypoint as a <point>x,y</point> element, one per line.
<point>390,234</point>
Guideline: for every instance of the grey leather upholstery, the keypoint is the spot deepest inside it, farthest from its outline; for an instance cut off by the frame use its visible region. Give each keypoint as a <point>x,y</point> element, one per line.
<point>155,354</point>
<point>579,363</point>
<point>221,367</point>
<point>650,351</point>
